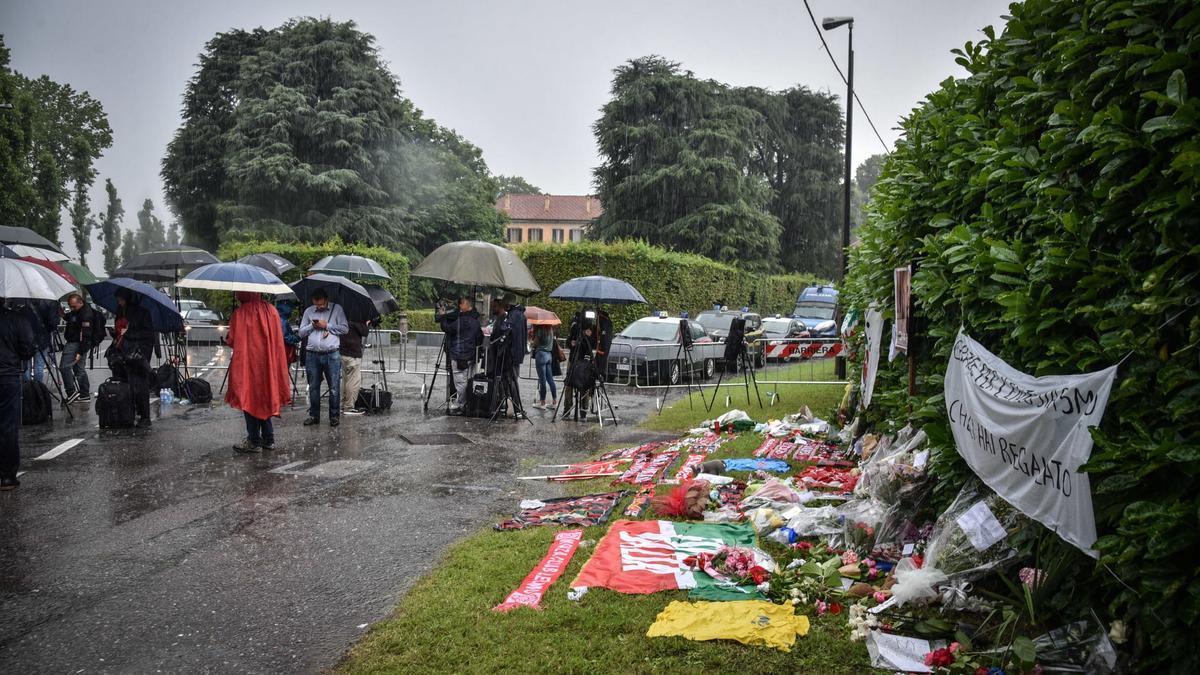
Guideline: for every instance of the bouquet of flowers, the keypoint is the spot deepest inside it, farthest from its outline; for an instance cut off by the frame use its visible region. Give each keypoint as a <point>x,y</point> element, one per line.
<point>734,565</point>
<point>828,478</point>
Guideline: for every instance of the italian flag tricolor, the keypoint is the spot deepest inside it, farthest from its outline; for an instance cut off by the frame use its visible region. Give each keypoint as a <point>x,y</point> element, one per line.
<point>646,556</point>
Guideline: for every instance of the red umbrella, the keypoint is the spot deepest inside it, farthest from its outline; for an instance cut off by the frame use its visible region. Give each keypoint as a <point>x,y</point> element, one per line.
<point>54,267</point>
<point>536,316</point>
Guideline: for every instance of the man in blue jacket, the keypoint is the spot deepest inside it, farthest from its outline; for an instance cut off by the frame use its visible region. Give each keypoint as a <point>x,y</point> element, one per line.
<point>463,335</point>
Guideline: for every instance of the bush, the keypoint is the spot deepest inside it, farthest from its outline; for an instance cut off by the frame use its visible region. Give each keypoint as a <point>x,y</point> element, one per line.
<point>305,255</point>
<point>670,281</point>
<point>422,320</point>
<point>1048,201</point>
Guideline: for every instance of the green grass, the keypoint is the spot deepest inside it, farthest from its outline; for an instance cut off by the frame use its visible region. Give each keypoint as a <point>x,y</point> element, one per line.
<point>445,623</point>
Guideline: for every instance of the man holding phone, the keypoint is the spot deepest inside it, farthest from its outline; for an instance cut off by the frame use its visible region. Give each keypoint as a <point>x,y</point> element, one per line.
<point>323,325</point>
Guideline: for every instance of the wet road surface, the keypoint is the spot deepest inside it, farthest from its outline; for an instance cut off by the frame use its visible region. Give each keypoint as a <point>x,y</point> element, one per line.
<point>165,551</point>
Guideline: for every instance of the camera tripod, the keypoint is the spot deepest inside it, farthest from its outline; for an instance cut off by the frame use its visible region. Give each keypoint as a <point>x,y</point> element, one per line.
<point>508,389</point>
<point>745,364</point>
<point>56,346</point>
<point>685,350</point>
<point>583,399</point>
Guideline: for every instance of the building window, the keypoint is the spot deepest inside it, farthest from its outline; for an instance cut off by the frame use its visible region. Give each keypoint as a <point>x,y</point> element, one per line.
<point>576,235</point>
<point>535,234</point>
<point>514,235</point>
<point>557,235</point>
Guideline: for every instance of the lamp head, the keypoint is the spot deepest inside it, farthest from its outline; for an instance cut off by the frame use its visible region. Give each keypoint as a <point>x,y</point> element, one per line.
<point>831,22</point>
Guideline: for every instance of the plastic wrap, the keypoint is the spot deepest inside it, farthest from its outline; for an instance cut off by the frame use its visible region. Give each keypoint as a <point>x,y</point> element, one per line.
<point>861,520</point>
<point>971,537</point>
<point>813,522</point>
<point>1079,647</point>
<point>775,492</point>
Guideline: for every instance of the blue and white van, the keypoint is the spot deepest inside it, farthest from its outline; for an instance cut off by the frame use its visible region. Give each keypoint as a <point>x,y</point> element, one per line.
<point>816,308</point>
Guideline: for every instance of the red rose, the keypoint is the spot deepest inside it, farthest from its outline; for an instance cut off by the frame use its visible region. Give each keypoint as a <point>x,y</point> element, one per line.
<point>835,608</point>
<point>690,561</point>
<point>939,658</point>
<point>758,574</point>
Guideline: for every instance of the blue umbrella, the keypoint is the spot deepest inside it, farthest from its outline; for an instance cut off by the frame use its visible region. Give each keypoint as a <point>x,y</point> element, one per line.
<point>232,276</point>
<point>164,315</point>
<point>598,289</point>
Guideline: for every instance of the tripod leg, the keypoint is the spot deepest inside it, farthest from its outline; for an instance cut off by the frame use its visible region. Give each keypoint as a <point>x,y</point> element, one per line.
<point>437,367</point>
<point>750,376</point>
<point>716,390</point>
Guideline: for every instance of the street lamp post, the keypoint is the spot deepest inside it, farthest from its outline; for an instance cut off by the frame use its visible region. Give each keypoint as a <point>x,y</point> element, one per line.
<point>830,23</point>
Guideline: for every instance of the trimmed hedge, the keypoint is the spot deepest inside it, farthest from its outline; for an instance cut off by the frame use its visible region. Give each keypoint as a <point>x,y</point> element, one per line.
<point>670,281</point>
<point>304,255</point>
<point>1049,201</point>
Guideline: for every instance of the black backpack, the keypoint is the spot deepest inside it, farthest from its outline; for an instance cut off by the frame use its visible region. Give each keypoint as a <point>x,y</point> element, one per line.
<point>99,330</point>
<point>196,390</point>
<point>36,405</point>
<point>167,377</point>
<point>580,377</point>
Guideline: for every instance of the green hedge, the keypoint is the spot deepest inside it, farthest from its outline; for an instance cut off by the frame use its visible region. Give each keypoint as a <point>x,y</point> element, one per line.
<point>304,255</point>
<point>422,320</point>
<point>669,281</point>
<point>1049,201</point>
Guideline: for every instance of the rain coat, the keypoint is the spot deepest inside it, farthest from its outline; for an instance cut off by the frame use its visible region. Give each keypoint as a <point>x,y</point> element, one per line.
<point>258,372</point>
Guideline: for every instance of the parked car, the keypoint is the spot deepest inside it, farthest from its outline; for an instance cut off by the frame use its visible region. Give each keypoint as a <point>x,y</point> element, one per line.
<point>649,349</point>
<point>203,326</point>
<point>817,309</point>
<point>781,337</point>
<point>718,321</point>
<point>187,304</point>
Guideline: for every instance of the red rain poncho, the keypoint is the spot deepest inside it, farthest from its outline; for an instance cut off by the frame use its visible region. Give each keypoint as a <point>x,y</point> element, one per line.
<point>258,372</point>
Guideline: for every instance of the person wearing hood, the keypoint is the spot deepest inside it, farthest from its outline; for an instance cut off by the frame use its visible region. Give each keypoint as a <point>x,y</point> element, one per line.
<point>291,341</point>
<point>463,335</point>
<point>129,354</point>
<point>258,372</point>
<point>511,320</point>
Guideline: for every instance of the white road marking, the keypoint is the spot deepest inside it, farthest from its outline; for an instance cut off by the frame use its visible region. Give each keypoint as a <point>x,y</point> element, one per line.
<point>21,473</point>
<point>287,468</point>
<point>60,449</point>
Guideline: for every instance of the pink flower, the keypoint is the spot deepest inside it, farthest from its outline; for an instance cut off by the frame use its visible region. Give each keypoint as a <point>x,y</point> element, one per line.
<point>1030,576</point>
<point>821,606</point>
<point>880,596</point>
<point>849,558</point>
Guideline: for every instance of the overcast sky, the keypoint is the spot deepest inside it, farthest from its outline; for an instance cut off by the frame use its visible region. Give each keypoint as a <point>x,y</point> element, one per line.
<point>523,80</point>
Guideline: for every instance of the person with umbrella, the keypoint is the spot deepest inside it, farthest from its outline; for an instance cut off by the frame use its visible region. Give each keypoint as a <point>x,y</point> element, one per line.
<point>77,340</point>
<point>321,328</point>
<point>129,354</point>
<point>16,346</point>
<point>463,335</point>
<point>351,351</point>
<point>258,371</point>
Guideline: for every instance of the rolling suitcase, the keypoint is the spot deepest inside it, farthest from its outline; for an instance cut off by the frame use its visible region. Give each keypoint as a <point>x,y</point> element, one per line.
<point>373,399</point>
<point>481,396</point>
<point>114,405</point>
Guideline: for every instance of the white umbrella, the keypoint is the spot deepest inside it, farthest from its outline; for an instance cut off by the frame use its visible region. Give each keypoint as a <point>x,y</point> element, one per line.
<point>26,251</point>
<point>25,280</point>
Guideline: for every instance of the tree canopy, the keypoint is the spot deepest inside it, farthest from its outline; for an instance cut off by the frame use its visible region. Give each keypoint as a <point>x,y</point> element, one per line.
<point>742,175</point>
<point>865,177</point>
<point>516,185</point>
<point>300,133</point>
<point>49,141</point>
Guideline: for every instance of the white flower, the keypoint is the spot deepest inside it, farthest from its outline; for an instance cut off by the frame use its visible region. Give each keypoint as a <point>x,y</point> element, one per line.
<point>795,601</point>
<point>1117,632</point>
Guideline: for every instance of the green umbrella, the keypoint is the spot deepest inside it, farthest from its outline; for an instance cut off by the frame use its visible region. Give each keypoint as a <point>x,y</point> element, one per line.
<point>82,274</point>
<point>353,267</point>
<point>478,263</point>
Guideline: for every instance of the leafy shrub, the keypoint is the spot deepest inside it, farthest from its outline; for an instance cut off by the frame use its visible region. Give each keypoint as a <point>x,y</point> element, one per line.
<point>670,281</point>
<point>304,255</point>
<point>1048,200</point>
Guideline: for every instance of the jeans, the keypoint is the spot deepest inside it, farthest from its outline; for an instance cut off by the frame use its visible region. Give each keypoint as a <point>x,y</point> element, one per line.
<point>351,380</point>
<point>10,426</point>
<point>74,375</point>
<point>260,432</point>
<point>545,371</point>
<point>329,366</point>
<point>37,364</point>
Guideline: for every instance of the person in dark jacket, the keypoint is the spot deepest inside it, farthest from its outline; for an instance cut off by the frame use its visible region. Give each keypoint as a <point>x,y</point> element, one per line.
<point>16,346</point>
<point>463,335</point>
<point>511,319</point>
<point>43,319</point>
<point>78,340</point>
<point>129,354</point>
<point>352,353</point>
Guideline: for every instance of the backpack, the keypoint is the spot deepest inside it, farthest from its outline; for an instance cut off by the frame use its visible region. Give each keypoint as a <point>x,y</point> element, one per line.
<point>167,376</point>
<point>196,390</point>
<point>99,330</point>
<point>36,405</point>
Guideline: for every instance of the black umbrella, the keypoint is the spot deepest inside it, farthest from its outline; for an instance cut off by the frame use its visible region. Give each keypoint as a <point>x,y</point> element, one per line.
<point>598,289</point>
<point>26,237</point>
<point>384,301</point>
<point>355,300</point>
<point>354,267</point>
<point>275,264</point>
<point>151,275</point>
<point>163,312</point>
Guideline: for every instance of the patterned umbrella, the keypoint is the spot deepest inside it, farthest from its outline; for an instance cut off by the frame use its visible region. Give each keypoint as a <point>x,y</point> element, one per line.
<point>82,274</point>
<point>23,280</point>
<point>54,267</point>
<point>536,316</point>
<point>232,276</point>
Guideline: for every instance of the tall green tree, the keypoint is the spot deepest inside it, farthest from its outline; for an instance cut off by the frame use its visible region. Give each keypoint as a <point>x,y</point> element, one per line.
<point>865,177</point>
<point>300,132</point>
<point>151,235</point>
<point>173,233</point>
<point>515,185</point>
<point>129,246</point>
<point>49,142</point>
<point>110,228</point>
<point>675,170</point>
<point>797,150</point>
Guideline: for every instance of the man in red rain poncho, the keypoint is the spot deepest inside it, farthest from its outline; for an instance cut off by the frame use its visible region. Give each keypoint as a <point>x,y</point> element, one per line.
<point>258,372</point>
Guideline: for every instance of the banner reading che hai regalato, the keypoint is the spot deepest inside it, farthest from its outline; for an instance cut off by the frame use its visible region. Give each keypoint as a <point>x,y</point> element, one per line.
<point>1027,436</point>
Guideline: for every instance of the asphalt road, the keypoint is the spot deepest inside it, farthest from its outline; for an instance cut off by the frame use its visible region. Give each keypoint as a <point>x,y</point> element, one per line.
<point>164,551</point>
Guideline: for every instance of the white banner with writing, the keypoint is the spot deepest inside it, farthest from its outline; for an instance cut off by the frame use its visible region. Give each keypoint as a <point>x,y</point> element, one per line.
<point>1027,436</point>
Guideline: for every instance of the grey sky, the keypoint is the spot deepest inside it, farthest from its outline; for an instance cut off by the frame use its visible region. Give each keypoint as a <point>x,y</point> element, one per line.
<point>522,80</point>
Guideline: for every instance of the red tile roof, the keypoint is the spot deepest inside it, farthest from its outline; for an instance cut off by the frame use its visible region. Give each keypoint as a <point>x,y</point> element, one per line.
<point>557,208</point>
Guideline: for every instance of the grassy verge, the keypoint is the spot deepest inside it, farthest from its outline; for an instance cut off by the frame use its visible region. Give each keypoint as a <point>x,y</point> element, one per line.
<point>445,623</point>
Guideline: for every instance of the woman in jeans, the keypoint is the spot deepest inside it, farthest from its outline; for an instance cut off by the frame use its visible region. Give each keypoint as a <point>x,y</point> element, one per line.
<point>543,358</point>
